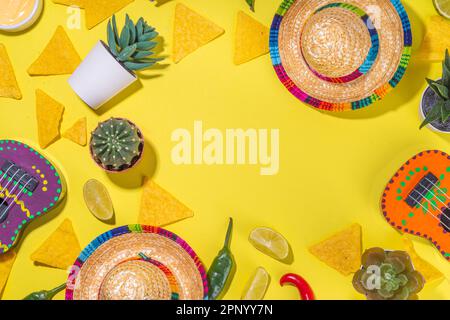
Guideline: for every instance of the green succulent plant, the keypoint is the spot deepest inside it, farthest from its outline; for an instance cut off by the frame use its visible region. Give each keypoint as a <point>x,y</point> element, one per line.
<point>116,144</point>
<point>387,276</point>
<point>441,110</point>
<point>133,45</point>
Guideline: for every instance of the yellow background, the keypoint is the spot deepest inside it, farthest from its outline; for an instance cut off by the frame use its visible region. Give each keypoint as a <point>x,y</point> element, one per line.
<point>333,167</point>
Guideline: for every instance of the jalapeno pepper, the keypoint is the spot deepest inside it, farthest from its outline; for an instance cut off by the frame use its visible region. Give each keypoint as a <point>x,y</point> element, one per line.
<point>302,286</point>
<point>220,273</point>
<point>45,294</point>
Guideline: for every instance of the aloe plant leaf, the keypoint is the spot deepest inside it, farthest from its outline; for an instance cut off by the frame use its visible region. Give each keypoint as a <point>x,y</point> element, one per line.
<point>137,65</point>
<point>142,54</point>
<point>124,38</point>
<point>439,89</point>
<point>445,74</point>
<point>132,29</point>
<point>434,114</point>
<point>445,111</point>
<point>148,28</point>
<point>126,53</point>
<point>145,45</point>
<point>148,36</point>
<point>112,40</point>
<point>144,60</point>
<point>140,27</point>
<point>114,26</point>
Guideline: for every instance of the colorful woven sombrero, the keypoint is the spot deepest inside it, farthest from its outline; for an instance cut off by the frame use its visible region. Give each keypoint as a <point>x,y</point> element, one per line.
<point>137,262</point>
<point>342,55</point>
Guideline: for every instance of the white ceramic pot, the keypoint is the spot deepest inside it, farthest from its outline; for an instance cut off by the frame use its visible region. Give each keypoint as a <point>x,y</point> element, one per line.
<point>100,77</point>
<point>422,114</point>
<point>27,22</point>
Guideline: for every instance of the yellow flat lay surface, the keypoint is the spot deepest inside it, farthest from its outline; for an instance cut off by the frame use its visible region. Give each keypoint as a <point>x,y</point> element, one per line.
<point>333,167</point>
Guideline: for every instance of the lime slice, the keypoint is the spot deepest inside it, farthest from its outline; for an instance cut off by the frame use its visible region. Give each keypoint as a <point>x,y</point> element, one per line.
<point>257,285</point>
<point>443,7</point>
<point>98,200</point>
<point>270,242</point>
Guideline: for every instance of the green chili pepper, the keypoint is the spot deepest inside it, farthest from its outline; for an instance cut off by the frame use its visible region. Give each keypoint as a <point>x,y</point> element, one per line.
<point>251,3</point>
<point>45,294</point>
<point>220,273</point>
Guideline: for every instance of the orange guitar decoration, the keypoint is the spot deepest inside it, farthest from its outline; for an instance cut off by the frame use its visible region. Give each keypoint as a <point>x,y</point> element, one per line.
<point>416,200</point>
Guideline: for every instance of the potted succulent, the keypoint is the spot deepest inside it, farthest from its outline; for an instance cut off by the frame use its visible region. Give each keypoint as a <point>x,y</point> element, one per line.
<point>387,275</point>
<point>108,69</point>
<point>435,103</point>
<point>116,145</point>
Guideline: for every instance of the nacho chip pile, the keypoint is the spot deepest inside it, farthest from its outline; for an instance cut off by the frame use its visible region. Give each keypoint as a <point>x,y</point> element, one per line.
<point>8,83</point>
<point>159,207</point>
<point>191,32</point>
<point>341,251</point>
<point>58,57</point>
<point>61,249</point>
<point>49,114</point>
<point>77,133</point>
<point>251,39</point>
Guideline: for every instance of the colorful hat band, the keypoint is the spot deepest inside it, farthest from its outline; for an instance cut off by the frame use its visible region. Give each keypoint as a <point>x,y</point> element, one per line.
<point>371,55</point>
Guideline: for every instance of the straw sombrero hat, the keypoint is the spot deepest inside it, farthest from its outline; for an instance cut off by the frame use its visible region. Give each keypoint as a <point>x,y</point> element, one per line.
<point>340,55</point>
<point>137,262</point>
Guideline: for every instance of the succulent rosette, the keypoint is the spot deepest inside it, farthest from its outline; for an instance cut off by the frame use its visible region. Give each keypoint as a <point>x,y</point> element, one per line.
<point>388,275</point>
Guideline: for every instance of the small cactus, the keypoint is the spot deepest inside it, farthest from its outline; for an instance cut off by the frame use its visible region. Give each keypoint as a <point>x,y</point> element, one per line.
<point>116,144</point>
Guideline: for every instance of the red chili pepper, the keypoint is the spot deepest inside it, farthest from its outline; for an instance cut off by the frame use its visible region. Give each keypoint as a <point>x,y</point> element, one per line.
<point>303,287</point>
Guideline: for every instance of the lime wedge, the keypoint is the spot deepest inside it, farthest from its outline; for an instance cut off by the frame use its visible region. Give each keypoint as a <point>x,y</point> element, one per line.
<point>443,7</point>
<point>270,242</point>
<point>257,285</point>
<point>98,200</point>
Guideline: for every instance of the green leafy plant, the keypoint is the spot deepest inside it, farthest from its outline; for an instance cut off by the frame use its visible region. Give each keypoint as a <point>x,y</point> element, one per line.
<point>441,109</point>
<point>387,276</point>
<point>116,144</point>
<point>133,45</point>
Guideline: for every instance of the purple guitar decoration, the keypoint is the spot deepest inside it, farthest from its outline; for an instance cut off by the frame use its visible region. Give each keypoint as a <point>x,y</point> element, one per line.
<point>30,187</point>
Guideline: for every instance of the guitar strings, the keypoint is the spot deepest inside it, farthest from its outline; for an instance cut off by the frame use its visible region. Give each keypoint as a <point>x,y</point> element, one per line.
<point>428,211</point>
<point>16,197</point>
<point>12,192</point>
<point>435,217</point>
<point>442,191</point>
<point>7,185</point>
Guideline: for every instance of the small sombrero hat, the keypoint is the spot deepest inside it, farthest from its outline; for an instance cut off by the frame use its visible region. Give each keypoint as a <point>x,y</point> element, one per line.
<point>340,55</point>
<point>137,262</point>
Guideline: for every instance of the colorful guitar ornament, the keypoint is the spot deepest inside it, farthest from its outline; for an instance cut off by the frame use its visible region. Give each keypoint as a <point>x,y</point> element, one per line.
<point>417,199</point>
<point>30,187</point>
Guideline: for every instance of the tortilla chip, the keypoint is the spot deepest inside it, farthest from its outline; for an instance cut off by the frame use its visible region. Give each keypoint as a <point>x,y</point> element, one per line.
<point>8,83</point>
<point>49,115</point>
<point>59,57</point>
<point>6,263</point>
<point>159,207</point>
<point>429,272</point>
<point>341,251</point>
<point>191,32</point>
<point>77,132</point>
<point>61,249</point>
<point>99,10</point>
<point>76,3</point>
<point>251,40</point>
<point>434,44</point>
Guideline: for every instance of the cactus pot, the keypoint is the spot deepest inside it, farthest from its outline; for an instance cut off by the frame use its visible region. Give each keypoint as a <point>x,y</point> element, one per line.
<point>429,98</point>
<point>100,77</point>
<point>124,167</point>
